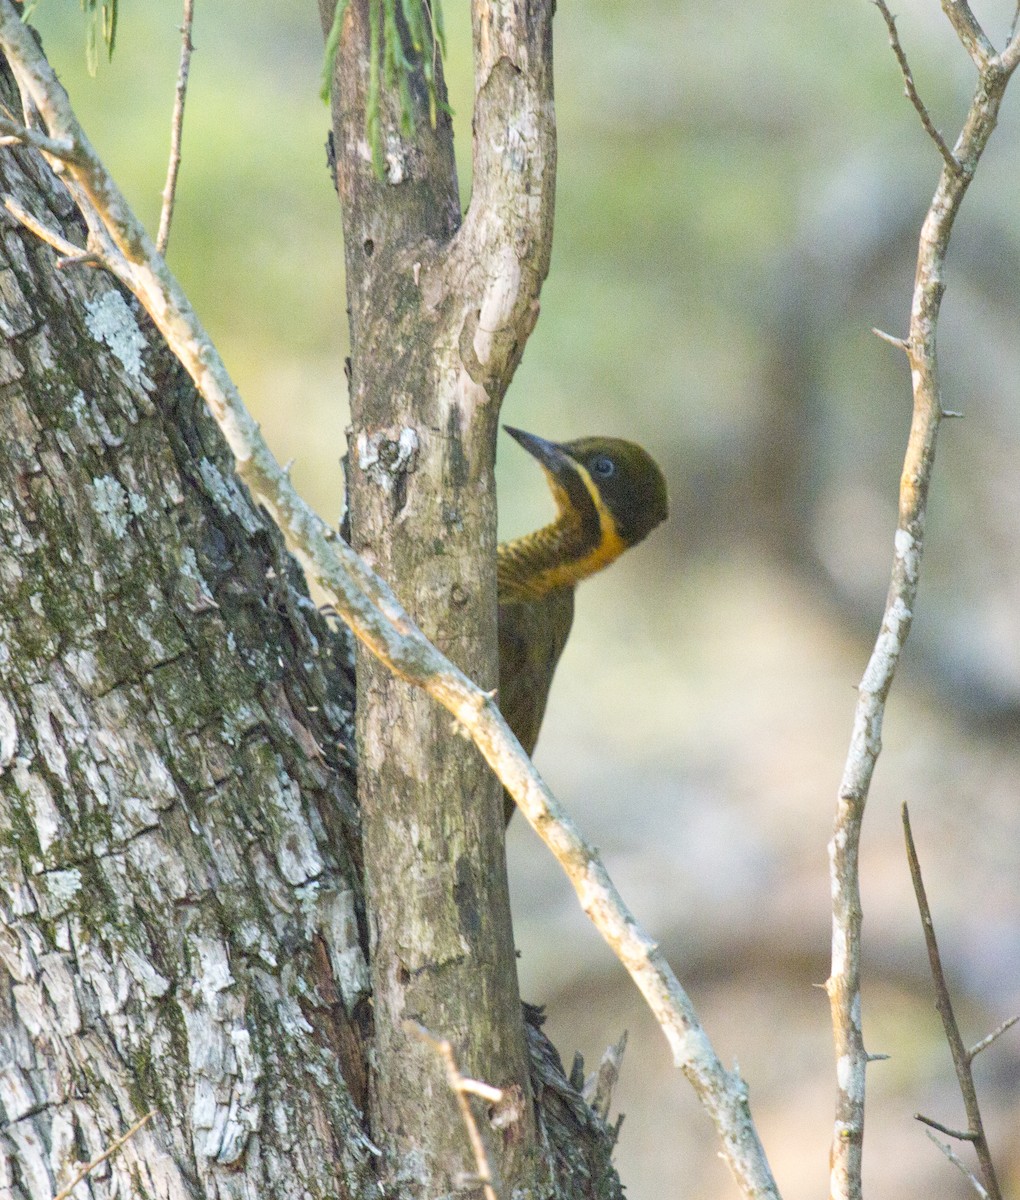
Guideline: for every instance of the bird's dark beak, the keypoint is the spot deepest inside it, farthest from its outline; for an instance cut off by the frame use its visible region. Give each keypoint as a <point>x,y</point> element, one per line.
<point>551,456</point>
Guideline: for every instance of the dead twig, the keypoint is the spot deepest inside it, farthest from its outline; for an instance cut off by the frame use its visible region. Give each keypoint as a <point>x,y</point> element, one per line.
<point>101,1158</point>
<point>462,1088</point>
<point>910,91</point>
<point>985,1042</point>
<point>891,338</point>
<point>599,1086</point>
<point>962,1058</point>
<point>961,1135</point>
<point>43,232</point>
<point>958,1162</point>
<point>176,129</point>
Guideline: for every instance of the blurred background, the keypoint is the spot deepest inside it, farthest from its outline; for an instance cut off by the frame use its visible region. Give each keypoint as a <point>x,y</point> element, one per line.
<point>739,196</point>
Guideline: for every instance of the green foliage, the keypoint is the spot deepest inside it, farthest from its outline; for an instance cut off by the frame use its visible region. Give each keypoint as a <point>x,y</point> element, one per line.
<point>100,24</point>
<point>389,66</point>
<point>332,47</point>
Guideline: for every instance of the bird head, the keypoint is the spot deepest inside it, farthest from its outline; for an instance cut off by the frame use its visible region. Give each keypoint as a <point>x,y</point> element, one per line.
<point>606,481</point>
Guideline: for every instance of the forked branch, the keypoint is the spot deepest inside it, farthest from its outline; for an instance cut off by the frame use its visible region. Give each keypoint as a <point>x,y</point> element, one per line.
<point>844,983</point>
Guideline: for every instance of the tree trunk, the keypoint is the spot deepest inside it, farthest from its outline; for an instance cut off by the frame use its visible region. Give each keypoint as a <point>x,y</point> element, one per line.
<point>182,919</point>
<point>180,909</point>
<point>439,315</point>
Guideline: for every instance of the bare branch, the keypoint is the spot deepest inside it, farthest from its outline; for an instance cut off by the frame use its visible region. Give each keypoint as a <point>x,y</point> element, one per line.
<point>1009,58</point>
<point>176,128</point>
<point>911,90</point>
<point>985,1042</point>
<point>368,605</point>
<point>968,30</point>
<point>844,983</point>
<point>898,342</point>
<point>14,134</point>
<point>961,1135</point>
<point>461,1087</point>
<point>64,1193</point>
<point>955,1159</point>
<point>43,232</point>
<point>944,1005</point>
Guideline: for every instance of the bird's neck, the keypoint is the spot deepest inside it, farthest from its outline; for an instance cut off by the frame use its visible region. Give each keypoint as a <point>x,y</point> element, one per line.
<point>558,555</point>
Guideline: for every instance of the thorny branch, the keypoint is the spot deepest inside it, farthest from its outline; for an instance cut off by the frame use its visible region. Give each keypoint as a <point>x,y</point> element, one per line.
<point>911,90</point>
<point>367,604</point>
<point>962,1057</point>
<point>176,129</point>
<point>844,983</point>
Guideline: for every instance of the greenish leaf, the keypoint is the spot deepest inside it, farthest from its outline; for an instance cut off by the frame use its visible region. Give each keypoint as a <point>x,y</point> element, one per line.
<point>389,67</point>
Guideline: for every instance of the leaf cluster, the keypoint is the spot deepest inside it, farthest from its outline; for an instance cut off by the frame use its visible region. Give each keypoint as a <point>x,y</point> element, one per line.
<point>100,26</point>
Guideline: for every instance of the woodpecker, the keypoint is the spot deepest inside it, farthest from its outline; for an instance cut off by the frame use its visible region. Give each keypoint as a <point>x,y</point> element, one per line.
<point>609,495</point>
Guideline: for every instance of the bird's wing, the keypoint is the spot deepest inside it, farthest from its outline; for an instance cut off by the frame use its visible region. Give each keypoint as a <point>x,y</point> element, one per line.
<point>532,634</point>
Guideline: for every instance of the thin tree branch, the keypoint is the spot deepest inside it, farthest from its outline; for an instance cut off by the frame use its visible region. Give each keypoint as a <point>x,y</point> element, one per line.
<point>44,233</point>
<point>112,1149</point>
<point>12,133</point>
<point>944,1006</point>
<point>844,983</point>
<point>958,1162</point>
<point>176,129</point>
<point>1013,24</point>
<point>461,1088</point>
<point>985,1042</point>
<point>368,605</point>
<point>961,1135</point>
<point>1009,58</point>
<point>972,37</point>
<point>911,90</point>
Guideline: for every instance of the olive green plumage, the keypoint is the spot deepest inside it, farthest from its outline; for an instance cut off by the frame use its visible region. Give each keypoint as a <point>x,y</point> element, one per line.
<point>609,496</point>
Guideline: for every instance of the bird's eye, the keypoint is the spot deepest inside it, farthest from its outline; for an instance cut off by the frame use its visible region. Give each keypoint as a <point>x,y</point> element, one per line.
<point>603,467</point>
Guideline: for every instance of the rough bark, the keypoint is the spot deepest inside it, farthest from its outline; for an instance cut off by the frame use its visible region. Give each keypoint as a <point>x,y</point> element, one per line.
<point>439,314</point>
<point>178,906</point>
